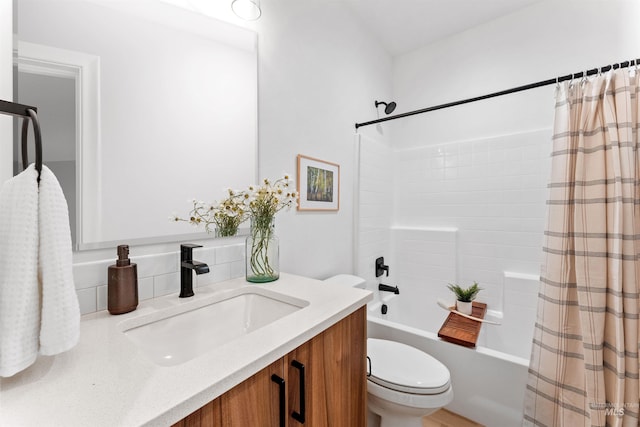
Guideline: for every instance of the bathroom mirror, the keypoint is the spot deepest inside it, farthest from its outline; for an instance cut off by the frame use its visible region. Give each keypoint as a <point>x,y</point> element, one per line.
<point>165,111</point>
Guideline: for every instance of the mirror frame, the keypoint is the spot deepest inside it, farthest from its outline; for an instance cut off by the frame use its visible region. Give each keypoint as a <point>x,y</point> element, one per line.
<point>84,69</point>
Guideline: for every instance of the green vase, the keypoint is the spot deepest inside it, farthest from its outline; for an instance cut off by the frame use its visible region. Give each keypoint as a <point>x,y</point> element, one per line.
<point>262,251</point>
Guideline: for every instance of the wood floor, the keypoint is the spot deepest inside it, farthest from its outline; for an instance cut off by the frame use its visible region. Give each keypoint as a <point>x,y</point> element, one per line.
<point>444,418</point>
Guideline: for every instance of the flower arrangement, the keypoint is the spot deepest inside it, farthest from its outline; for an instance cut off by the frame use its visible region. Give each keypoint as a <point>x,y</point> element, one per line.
<point>260,203</point>
<point>263,202</point>
<point>225,216</point>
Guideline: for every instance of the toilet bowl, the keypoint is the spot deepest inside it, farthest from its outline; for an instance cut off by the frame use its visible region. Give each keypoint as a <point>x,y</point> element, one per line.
<point>403,383</point>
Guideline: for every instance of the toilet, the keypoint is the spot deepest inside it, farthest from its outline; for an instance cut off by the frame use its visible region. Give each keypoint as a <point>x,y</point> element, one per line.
<point>403,383</point>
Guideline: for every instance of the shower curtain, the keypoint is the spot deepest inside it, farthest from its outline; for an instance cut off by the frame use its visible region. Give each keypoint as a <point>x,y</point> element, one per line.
<point>584,361</point>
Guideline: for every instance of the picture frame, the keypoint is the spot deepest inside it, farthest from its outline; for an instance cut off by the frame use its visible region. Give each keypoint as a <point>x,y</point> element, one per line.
<point>318,184</point>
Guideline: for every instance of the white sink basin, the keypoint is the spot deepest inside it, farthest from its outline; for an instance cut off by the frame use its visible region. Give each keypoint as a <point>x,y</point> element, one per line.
<point>178,334</point>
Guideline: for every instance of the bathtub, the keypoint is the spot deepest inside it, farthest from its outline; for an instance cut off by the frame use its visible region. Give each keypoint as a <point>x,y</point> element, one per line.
<point>488,385</point>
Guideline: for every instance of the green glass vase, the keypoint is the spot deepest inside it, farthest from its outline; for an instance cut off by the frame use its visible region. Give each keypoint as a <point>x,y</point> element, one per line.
<point>262,248</point>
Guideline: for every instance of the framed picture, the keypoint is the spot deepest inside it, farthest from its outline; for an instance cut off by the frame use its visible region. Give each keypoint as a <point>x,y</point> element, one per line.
<point>318,184</point>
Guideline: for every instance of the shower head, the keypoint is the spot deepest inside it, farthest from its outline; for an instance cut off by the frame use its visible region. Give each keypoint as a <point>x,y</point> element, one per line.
<point>388,108</point>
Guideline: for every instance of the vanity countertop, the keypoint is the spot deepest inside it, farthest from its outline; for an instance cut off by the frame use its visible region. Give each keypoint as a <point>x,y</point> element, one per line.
<point>107,381</point>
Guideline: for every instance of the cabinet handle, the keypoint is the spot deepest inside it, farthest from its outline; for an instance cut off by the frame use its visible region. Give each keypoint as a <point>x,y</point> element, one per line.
<point>276,379</point>
<point>299,416</point>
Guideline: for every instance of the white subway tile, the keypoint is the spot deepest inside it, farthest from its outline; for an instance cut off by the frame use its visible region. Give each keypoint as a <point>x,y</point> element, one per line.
<point>206,255</point>
<point>166,284</point>
<point>238,269</point>
<point>145,288</point>
<point>158,264</point>
<point>102,297</point>
<point>87,300</point>
<point>230,253</point>
<point>219,273</point>
<point>91,274</point>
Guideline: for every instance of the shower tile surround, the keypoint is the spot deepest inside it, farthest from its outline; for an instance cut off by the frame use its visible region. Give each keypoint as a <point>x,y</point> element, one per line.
<point>490,193</point>
<point>158,274</point>
<point>492,190</point>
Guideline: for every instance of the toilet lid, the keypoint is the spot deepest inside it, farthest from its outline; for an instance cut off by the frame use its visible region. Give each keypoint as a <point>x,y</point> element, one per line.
<point>404,368</point>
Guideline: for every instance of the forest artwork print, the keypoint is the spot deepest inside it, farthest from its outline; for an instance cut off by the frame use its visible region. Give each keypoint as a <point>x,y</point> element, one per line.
<point>319,184</point>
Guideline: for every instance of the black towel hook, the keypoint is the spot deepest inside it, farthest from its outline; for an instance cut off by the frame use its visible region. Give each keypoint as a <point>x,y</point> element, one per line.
<point>38,138</point>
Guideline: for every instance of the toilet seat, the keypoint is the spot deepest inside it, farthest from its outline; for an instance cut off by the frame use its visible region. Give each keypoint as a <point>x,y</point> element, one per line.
<point>406,369</point>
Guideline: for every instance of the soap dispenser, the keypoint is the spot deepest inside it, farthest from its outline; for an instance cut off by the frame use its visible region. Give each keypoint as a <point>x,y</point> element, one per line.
<point>122,283</point>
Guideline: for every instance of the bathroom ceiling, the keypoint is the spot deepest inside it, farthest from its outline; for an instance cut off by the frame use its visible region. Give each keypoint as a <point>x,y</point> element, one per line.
<point>399,25</point>
<point>405,25</point>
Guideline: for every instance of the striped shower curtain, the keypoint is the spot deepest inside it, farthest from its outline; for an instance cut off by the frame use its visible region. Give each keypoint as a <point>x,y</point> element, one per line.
<point>584,361</point>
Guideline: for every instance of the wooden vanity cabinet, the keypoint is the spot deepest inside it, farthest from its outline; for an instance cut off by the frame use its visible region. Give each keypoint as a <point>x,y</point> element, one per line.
<point>330,366</point>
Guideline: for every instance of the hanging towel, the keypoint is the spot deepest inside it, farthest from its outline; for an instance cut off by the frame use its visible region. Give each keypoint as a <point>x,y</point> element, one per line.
<point>60,323</point>
<point>19,293</point>
<point>38,305</point>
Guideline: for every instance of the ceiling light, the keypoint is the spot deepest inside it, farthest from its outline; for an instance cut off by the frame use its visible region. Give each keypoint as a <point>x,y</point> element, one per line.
<point>249,10</point>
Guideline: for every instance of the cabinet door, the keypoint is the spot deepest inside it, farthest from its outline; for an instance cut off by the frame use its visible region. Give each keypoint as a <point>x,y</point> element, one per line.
<point>344,355</point>
<point>334,376</point>
<point>256,401</point>
<point>332,367</point>
<point>207,416</point>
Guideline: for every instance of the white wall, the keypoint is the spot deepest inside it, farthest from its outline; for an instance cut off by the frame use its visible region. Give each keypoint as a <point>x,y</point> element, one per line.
<point>548,39</point>
<point>320,72</point>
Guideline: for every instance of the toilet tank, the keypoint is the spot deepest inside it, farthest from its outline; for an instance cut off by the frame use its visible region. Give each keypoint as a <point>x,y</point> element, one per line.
<point>347,280</point>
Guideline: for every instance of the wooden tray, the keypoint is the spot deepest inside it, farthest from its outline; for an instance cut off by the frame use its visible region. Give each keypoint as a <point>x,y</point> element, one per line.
<point>460,330</point>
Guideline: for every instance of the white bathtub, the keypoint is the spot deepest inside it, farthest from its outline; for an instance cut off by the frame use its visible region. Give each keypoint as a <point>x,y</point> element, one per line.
<point>488,385</point>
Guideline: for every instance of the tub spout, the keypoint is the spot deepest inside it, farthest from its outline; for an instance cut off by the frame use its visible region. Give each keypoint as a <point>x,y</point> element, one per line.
<point>388,288</point>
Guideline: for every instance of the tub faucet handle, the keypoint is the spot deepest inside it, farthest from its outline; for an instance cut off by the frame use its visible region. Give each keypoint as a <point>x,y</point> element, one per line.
<point>380,267</point>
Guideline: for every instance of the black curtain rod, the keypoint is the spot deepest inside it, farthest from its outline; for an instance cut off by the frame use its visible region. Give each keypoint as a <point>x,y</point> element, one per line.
<point>15,109</point>
<point>504,92</point>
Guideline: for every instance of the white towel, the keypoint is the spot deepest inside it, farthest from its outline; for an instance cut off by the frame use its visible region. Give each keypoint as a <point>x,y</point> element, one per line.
<point>19,293</point>
<point>38,305</point>
<point>60,323</point>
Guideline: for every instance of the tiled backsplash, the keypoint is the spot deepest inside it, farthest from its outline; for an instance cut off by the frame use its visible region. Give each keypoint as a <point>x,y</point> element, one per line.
<point>158,274</point>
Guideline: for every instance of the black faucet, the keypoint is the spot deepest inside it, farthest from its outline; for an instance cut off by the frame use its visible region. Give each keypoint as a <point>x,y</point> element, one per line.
<point>388,288</point>
<point>186,265</point>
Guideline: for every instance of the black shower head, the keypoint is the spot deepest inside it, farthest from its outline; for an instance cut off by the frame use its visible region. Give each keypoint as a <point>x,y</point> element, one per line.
<point>388,109</point>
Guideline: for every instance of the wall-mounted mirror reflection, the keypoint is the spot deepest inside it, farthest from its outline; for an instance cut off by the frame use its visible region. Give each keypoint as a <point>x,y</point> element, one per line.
<point>143,106</point>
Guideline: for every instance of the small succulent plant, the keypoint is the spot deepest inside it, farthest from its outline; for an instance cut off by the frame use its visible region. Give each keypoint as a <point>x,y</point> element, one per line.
<point>465,294</point>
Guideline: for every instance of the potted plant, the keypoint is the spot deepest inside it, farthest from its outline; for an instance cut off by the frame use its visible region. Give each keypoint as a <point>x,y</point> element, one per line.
<point>464,296</point>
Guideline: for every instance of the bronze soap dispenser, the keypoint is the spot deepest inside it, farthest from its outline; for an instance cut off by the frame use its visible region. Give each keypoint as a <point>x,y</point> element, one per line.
<point>122,284</point>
